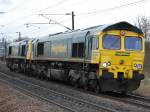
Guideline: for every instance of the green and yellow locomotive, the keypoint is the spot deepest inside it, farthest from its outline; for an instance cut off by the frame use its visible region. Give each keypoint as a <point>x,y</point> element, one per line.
<point>105,57</point>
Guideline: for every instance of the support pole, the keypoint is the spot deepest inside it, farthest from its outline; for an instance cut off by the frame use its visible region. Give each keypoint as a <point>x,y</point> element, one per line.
<point>72,20</point>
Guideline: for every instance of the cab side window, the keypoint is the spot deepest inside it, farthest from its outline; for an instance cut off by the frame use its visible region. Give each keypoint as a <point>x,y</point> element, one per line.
<point>78,49</point>
<point>23,50</point>
<point>10,50</point>
<point>40,48</point>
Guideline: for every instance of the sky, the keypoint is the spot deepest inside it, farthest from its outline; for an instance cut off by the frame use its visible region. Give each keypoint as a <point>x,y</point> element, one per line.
<point>18,13</point>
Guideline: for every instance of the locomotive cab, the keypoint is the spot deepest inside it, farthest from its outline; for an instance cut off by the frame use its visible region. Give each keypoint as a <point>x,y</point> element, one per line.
<point>121,58</point>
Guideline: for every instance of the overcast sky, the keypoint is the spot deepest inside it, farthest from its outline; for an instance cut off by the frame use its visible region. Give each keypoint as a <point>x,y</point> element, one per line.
<point>87,13</point>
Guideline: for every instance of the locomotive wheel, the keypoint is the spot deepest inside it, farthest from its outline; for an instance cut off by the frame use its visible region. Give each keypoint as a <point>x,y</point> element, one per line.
<point>10,68</point>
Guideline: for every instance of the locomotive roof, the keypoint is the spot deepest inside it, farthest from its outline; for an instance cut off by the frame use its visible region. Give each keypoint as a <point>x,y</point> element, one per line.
<point>16,43</point>
<point>100,28</point>
<point>123,26</point>
<point>13,44</point>
<point>117,26</point>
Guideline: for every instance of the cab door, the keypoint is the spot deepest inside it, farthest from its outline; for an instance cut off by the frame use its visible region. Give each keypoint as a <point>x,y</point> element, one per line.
<point>95,50</point>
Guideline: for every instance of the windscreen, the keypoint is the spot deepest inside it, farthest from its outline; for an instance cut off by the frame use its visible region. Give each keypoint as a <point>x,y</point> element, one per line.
<point>111,42</point>
<point>133,43</point>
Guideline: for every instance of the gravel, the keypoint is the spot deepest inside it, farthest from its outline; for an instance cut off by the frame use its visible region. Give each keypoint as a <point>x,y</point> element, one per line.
<point>12,100</point>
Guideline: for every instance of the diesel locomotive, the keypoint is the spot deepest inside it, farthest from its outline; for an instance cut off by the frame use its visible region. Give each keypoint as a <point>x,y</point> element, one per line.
<point>101,58</point>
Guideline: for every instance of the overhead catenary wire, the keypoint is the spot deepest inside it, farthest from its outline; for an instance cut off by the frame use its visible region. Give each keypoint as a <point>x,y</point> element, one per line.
<point>14,8</point>
<point>113,8</point>
<point>38,29</point>
<point>43,29</point>
<point>73,4</point>
<point>54,22</point>
<point>54,5</point>
<point>109,9</point>
<point>17,6</point>
<point>18,26</point>
<point>22,3</point>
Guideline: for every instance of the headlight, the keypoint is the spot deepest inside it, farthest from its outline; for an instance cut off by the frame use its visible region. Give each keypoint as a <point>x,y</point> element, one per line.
<point>139,66</point>
<point>106,64</point>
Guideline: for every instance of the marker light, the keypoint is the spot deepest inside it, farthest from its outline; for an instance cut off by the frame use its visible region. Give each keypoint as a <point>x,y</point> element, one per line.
<point>139,66</point>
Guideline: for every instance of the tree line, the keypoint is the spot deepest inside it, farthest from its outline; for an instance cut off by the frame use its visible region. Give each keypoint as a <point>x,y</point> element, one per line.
<point>143,23</point>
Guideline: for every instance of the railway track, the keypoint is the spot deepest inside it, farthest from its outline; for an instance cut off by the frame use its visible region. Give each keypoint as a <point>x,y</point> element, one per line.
<point>67,102</point>
<point>136,100</point>
<point>138,97</point>
<point>129,99</point>
<point>132,99</point>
